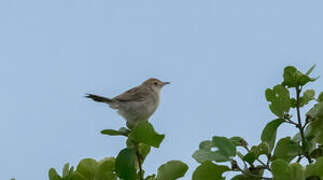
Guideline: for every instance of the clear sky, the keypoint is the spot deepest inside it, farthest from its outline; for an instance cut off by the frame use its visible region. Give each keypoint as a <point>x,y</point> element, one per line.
<point>220,56</point>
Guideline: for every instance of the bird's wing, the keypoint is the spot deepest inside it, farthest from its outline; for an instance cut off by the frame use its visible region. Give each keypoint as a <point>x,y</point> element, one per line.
<point>134,94</point>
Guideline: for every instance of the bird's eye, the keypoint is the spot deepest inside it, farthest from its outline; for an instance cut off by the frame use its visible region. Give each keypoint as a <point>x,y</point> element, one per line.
<point>155,83</point>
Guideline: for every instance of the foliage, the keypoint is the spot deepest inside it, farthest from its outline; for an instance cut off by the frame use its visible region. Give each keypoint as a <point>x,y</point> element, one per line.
<point>128,163</point>
<point>297,157</point>
<point>282,158</point>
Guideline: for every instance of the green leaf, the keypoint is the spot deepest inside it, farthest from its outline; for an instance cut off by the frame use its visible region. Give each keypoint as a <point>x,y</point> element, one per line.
<point>320,98</point>
<point>107,159</point>
<point>305,79</point>
<point>284,171</point>
<point>315,169</point>
<point>130,143</point>
<point>296,171</point>
<point>202,155</point>
<point>106,170</point>
<point>125,164</point>
<point>240,177</point>
<point>209,171</point>
<point>280,169</point>
<point>286,149</point>
<point>77,176</point>
<point>206,144</point>
<point>68,173</point>
<point>225,150</point>
<point>172,170</point>
<point>52,174</point>
<point>145,133</point>
<point>250,157</point>
<point>291,76</point>
<point>256,151</point>
<point>238,141</point>
<point>71,171</point>
<point>294,78</point>
<point>111,132</point>
<point>314,130</point>
<point>144,150</point>
<point>87,168</point>
<point>280,100</point>
<point>270,131</point>
<point>66,170</point>
<point>307,97</point>
<point>316,112</point>
<point>225,146</point>
<point>317,153</point>
<point>245,177</point>
<point>310,70</point>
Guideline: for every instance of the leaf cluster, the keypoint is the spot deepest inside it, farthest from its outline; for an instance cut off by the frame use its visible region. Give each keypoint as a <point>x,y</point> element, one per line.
<point>281,159</point>
<point>128,163</point>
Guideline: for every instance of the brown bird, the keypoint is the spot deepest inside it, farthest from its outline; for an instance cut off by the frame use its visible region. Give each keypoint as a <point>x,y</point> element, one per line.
<point>136,104</point>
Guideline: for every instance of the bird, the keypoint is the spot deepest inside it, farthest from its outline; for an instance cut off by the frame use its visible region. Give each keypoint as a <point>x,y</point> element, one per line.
<point>136,104</point>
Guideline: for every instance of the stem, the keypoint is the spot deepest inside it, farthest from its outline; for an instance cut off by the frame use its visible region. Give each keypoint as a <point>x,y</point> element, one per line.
<point>299,159</point>
<point>288,120</point>
<point>298,91</point>
<point>253,175</point>
<point>244,163</point>
<point>307,121</point>
<point>266,166</point>
<point>268,161</point>
<point>300,126</point>
<point>141,175</point>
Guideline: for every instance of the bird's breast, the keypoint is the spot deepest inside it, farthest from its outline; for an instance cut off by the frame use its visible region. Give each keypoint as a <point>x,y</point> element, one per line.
<point>135,110</point>
<point>150,104</point>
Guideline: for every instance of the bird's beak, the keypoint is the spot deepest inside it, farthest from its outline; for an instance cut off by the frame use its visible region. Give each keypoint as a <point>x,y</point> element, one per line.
<point>165,83</point>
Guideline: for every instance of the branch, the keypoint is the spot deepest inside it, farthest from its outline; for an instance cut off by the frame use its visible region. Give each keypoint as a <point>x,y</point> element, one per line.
<point>141,175</point>
<point>300,126</point>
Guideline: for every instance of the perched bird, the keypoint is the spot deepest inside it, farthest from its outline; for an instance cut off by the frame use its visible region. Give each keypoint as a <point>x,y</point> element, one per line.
<point>136,104</point>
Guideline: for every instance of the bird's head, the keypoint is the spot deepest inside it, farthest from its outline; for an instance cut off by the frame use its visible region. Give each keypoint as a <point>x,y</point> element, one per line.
<point>155,84</point>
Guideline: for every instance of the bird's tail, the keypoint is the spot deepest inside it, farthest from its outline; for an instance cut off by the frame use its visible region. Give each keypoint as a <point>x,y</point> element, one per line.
<point>99,98</point>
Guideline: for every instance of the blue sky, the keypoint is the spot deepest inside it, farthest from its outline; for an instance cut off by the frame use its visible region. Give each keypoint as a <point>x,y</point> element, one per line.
<point>219,55</point>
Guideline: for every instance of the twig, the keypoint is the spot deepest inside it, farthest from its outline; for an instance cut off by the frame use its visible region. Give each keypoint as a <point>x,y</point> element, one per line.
<point>265,166</point>
<point>288,120</point>
<point>307,121</point>
<point>141,175</point>
<point>300,126</point>
<point>299,159</point>
<point>244,163</point>
<point>253,175</point>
